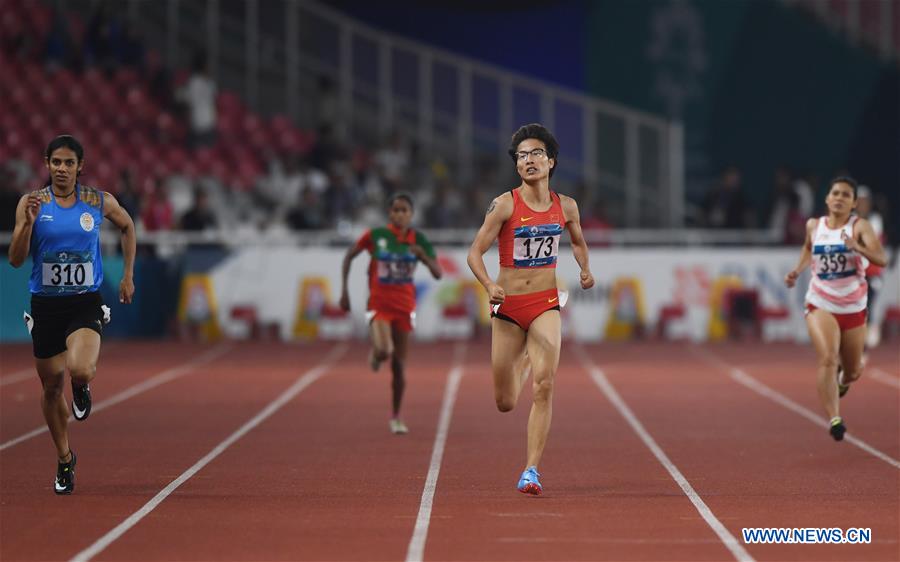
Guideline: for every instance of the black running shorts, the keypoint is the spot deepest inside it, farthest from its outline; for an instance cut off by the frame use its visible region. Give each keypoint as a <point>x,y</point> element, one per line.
<point>52,319</point>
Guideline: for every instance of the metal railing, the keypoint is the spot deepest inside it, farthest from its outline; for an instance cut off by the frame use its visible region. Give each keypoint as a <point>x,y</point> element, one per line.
<point>681,237</point>
<point>278,53</point>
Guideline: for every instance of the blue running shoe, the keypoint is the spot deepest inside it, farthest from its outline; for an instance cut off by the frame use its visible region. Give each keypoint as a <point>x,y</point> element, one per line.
<point>530,483</point>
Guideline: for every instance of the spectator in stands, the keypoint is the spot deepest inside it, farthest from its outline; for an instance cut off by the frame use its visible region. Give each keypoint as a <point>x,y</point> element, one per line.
<point>15,41</point>
<point>782,191</point>
<point>156,213</point>
<point>159,81</point>
<point>339,198</point>
<point>9,198</point>
<point>393,161</point>
<point>101,38</point>
<point>199,94</point>
<point>594,224</point>
<point>327,102</point>
<point>443,211</point>
<point>326,149</point>
<point>127,194</point>
<point>865,210</point>
<point>307,215</point>
<point>59,48</point>
<point>199,217</point>
<point>131,47</point>
<point>794,227</point>
<point>805,188</point>
<point>725,205</point>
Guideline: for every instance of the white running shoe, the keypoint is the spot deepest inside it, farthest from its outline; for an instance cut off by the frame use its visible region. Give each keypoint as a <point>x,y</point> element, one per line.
<point>398,427</point>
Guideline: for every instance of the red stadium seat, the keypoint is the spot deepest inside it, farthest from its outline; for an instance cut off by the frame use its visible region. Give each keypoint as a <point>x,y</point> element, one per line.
<point>126,77</point>
<point>40,19</point>
<point>229,104</point>
<point>229,127</point>
<point>176,157</point>
<point>251,123</point>
<point>18,96</point>
<point>280,123</point>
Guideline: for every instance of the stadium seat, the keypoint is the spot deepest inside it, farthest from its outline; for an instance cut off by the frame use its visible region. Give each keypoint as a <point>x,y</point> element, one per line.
<point>668,314</point>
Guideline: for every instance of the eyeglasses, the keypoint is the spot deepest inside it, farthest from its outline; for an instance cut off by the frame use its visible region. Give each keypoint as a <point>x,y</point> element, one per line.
<point>537,153</point>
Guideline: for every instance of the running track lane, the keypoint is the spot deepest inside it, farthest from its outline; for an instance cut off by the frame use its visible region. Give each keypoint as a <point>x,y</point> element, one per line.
<point>322,479</point>
<point>118,369</point>
<point>606,496</point>
<point>871,409</point>
<point>755,463</point>
<point>128,453</point>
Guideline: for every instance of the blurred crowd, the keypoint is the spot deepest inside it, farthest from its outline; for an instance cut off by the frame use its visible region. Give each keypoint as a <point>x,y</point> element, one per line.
<point>182,154</point>
<point>793,198</point>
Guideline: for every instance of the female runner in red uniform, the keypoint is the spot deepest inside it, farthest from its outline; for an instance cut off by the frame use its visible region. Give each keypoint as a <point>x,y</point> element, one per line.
<point>839,246</point>
<point>395,250</point>
<point>528,222</point>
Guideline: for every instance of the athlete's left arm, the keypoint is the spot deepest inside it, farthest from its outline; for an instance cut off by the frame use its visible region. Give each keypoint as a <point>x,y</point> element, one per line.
<point>119,217</point>
<point>430,262</point>
<point>579,246</point>
<point>866,243</point>
<point>424,251</point>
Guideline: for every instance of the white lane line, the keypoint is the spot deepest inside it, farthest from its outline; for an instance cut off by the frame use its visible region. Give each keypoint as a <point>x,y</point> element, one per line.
<point>416,550</point>
<point>161,378</point>
<point>883,377</point>
<point>760,388</point>
<point>730,542</point>
<point>299,385</point>
<point>19,376</point>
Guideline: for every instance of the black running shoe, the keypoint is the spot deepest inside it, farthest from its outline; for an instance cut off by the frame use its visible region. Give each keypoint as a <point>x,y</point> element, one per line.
<point>65,476</point>
<point>842,388</point>
<point>837,429</point>
<point>81,401</point>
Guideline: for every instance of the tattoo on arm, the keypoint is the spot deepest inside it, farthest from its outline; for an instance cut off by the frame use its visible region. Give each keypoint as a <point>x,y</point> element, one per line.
<point>491,208</point>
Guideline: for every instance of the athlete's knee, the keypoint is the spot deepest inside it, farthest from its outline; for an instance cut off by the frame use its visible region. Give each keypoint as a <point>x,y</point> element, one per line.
<point>52,386</point>
<point>83,373</point>
<point>829,361</point>
<point>851,375</point>
<point>505,402</point>
<point>543,389</point>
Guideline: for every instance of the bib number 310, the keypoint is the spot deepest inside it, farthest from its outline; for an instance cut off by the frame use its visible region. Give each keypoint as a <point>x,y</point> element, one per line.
<point>68,274</point>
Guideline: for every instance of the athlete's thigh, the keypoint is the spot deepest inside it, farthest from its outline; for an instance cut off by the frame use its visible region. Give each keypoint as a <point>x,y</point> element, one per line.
<point>380,331</point>
<point>824,333</point>
<point>544,340</point>
<point>507,344</point>
<point>83,349</point>
<point>852,347</point>
<point>51,369</point>
<point>401,342</point>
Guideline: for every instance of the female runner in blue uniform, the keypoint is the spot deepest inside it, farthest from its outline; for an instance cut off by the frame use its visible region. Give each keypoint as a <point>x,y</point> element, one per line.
<point>59,226</point>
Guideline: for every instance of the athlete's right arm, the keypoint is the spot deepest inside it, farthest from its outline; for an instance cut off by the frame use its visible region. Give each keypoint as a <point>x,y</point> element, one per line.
<point>26,213</point>
<point>352,252</point>
<point>805,256</point>
<point>499,212</point>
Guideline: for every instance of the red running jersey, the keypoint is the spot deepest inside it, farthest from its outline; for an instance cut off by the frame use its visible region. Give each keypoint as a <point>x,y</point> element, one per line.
<point>529,238</point>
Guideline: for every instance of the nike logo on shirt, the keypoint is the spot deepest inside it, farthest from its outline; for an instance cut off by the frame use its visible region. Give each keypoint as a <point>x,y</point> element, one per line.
<point>526,219</point>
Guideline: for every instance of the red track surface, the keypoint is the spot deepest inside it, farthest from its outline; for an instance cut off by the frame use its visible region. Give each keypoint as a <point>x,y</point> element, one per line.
<point>321,478</point>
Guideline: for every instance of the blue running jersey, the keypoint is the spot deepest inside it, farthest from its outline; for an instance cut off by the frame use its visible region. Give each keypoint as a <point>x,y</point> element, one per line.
<point>65,244</point>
